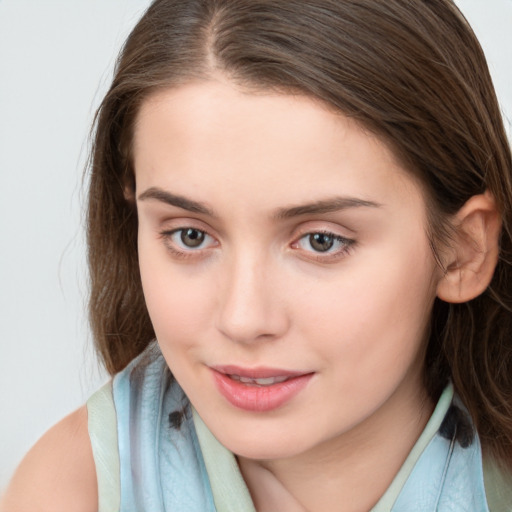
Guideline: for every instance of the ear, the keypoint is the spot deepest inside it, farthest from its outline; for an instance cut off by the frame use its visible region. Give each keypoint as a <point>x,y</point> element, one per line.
<point>129,187</point>
<point>129,193</point>
<point>473,254</point>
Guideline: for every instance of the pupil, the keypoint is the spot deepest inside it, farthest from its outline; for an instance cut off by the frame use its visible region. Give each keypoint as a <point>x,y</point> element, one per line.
<point>192,237</point>
<point>321,242</point>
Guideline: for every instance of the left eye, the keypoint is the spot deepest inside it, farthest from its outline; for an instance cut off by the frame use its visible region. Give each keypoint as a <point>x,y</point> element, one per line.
<point>323,242</point>
<point>190,238</point>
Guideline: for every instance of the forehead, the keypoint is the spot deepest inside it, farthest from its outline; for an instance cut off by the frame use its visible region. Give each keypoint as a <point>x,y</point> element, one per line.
<point>269,147</point>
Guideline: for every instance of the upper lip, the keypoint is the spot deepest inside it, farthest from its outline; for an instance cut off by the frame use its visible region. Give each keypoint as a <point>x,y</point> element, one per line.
<point>257,373</point>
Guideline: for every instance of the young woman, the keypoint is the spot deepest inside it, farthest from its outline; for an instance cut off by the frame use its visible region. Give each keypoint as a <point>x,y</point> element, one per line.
<point>307,204</point>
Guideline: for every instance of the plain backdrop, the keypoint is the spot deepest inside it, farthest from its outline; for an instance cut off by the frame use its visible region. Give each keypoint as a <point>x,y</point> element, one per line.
<point>56,60</point>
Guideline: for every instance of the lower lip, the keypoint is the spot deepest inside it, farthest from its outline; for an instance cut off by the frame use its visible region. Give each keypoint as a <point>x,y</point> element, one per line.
<point>259,398</point>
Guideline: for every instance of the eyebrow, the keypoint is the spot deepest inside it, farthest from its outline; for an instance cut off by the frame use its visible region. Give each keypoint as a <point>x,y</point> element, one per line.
<point>175,200</point>
<point>317,207</point>
<point>327,206</point>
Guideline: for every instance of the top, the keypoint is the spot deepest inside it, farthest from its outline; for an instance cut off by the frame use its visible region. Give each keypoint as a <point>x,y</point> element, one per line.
<point>153,452</point>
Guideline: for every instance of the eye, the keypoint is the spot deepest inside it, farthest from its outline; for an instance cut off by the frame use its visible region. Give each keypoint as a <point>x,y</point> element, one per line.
<point>191,238</point>
<point>320,242</point>
<point>187,240</point>
<point>324,243</point>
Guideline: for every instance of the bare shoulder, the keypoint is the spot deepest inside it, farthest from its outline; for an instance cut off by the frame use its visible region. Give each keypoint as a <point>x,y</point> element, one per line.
<point>58,473</point>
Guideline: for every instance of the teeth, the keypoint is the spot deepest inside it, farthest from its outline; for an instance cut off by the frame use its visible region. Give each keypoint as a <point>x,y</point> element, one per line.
<point>268,381</point>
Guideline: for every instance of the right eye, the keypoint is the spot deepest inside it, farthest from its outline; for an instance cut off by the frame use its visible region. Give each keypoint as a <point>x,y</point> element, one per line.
<point>183,241</point>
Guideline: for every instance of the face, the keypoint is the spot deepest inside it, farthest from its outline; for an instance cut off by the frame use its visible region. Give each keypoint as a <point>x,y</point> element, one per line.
<point>285,266</point>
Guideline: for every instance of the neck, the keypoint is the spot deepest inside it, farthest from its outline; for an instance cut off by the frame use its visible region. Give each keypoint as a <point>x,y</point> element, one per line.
<point>351,471</point>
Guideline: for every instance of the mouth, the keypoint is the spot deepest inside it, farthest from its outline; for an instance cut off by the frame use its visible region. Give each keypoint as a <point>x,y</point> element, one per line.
<point>261,389</point>
<point>262,382</point>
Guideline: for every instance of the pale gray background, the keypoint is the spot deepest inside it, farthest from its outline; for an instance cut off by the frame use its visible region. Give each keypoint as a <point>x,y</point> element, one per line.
<point>56,60</point>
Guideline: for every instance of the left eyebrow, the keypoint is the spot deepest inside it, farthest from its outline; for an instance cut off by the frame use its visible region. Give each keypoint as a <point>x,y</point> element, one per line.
<point>327,206</point>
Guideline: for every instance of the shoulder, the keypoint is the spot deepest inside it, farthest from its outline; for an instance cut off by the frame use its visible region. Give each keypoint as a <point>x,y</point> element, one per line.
<point>498,485</point>
<point>58,473</point>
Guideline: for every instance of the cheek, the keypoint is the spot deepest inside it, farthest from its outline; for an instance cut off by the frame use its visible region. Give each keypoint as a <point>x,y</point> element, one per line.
<point>373,316</point>
<point>177,299</point>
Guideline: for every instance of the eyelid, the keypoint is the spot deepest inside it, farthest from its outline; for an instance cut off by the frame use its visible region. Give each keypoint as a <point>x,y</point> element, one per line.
<point>173,224</point>
<point>325,226</point>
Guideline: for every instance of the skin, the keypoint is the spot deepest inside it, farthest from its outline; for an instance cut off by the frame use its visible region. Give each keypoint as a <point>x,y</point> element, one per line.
<point>255,292</point>
<point>58,473</point>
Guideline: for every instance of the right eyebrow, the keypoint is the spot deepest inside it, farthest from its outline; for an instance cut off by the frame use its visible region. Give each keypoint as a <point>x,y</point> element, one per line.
<point>166,197</point>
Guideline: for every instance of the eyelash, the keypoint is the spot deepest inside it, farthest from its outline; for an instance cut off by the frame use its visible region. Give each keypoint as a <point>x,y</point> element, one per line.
<point>184,253</point>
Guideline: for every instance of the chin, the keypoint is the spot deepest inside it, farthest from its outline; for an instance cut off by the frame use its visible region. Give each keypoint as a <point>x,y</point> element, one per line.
<point>262,445</point>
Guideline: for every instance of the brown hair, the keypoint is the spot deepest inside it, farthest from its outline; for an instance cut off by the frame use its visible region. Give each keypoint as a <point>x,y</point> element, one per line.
<point>410,71</point>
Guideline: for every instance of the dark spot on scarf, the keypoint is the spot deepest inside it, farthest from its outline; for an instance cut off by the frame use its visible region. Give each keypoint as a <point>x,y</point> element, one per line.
<point>176,418</point>
<point>457,425</point>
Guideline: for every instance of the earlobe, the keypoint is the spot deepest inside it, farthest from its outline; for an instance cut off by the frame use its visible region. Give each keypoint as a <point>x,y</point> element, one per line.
<point>473,254</point>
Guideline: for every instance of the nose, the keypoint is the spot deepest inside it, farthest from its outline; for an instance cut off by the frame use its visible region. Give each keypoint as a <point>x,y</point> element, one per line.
<point>251,306</point>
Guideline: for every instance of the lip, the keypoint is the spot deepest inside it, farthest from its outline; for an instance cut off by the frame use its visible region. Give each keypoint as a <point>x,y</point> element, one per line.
<point>252,397</point>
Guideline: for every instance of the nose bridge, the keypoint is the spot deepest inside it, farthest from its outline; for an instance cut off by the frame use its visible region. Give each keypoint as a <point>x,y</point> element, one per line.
<point>250,308</point>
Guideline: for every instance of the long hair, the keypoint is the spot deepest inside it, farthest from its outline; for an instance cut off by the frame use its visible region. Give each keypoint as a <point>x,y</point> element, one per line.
<point>411,72</point>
